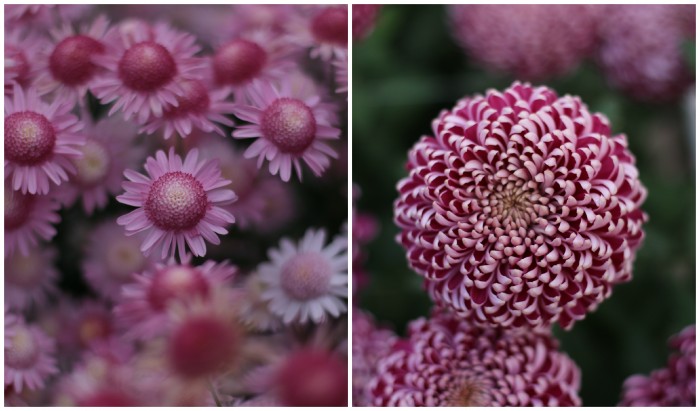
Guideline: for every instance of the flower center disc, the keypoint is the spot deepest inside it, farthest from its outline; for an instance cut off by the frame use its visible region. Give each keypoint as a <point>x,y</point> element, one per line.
<point>195,100</point>
<point>18,206</point>
<point>306,276</point>
<point>24,349</point>
<point>513,205</point>
<point>289,124</point>
<point>331,26</point>
<point>94,165</point>
<point>238,62</point>
<point>176,282</point>
<point>124,258</point>
<point>147,66</point>
<point>201,346</point>
<point>24,271</point>
<point>29,138</point>
<point>71,60</point>
<point>176,201</point>
<point>468,394</point>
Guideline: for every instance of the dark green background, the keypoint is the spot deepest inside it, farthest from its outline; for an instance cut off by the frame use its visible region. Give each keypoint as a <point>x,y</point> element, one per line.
<point>406,72</point>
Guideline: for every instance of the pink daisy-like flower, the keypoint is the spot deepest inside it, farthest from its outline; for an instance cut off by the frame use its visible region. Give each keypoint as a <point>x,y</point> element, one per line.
<point>29,358</point>
<point>253,310</point>
<point>40,141</point>
<point>142,310</point>
<point>288,129</point>
<point>21,45</point>
<point>313,377</point>
<point>448,361</point>
<point>323,29</point>
<point>28,218</point>
<point>177,203</point>
<point>363,19</point>
<point>369,345</point>
<point>673,386</point>
<point>145,69</point>
<point>307,282</point>
<point>529,41</point>
<point>522,209</point>
<point>30,279</point>
<point>111,259</point>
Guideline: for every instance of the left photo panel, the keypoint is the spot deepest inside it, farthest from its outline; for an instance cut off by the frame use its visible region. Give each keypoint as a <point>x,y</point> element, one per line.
<point>176,190</point>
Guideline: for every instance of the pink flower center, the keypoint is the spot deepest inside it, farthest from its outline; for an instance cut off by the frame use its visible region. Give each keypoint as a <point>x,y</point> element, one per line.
<point>93,167</point>
<point>512,205</point>
<point>29,138</point>
<point>238,62</point>
<point>331,26</point>
<point>176,201</point>
<point>194,101</point>
<point>306,276</point>
<point>25,271</point>
<point>24,349</point>
<point>313,378</point>
<point>176,283</point>
<point>289,124</point>
<point>71,60</point>
<point>18,206</point>
<point>124,258</point>
<point>16,61</point>
<point>201,346</point>
<point>93,327</point>
<point>147,66</point>
<point>467,393</point>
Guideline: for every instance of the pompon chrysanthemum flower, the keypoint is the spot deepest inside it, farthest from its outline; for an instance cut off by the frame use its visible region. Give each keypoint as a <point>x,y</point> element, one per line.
<point>30,279</point>
<point>111,259</point>
<point>142,309</point>
<point>29,358</point>
<point>312,377</point>
<point>144,69</point>
<point>28,218</point>
<point>177,203</point>
<point>522,209</point>
<point>288,130</point>
<point>67,66</point>
<point>673,386</point>
<point>307,282</point>
<point>323,29</point>
<point>369,345</point>
<point>641,50</point>
<point>528,41</point>
<point>363,19</point>
<point>40,141</point>
<point>21,45</point>
<point>449,361</point>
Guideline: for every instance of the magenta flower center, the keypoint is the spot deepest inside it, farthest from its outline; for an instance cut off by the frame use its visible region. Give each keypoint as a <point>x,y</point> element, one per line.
<point>513,204</point>
<point>147,66</point>
<point>25,271</point>
<point>194,101</point>
<point>289,124</point>
<point>108,397</point>
<point>124,258</point>
<point>176,201</point>
<point>238,62</point>
<point>24,349</point>
<point>29,138</point>
<point>18,206</point>
<point>176,283</point>
<point>201,346</point>
<point>306,276</point>
<point>331,26</point>
<point>94,166</point>
<point>71,60</point>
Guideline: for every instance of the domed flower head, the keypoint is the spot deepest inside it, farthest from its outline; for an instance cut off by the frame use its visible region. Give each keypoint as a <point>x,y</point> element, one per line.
<point>369,345</point>
<point>29,358</point>
<point>673,386</point>
<point>521,209</point>
<point>528,41</point>
<point>448,361</point>
<point>30,279</point>
<point>144,70</point>
<point>288,129</point>
<point>177,203</point>
<point>41,139</point>
<point>641,49</point>
<point>307,282</point>
<point>323,29</point>
<point>363,19</point>
<point>28,218</point>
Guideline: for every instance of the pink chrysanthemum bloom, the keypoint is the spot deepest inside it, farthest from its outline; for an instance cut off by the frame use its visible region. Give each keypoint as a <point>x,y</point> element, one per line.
<point>288,130</point>
<point>364,17</point>
<point>323,29</point>
<point>28,218</point>
<point>369,345</point>
<point>111,259</point>
<point>641,49</point>
<point>21,45</point>
<point>41,139</point>
<point>177,203</point>
<point>448,361</point>
<point>313,377</point>
<point>29,358</point>
<point>67,64</point>
<point>528,41</point>
<point>307,282</point>
<point>673,386</point>
<point>30,279</point>
<point>522,209</point>
<point>145,69</point>
<point>142,310</point>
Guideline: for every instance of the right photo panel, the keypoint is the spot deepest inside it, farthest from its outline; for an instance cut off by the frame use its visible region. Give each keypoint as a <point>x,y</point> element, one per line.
<point>523,205</point>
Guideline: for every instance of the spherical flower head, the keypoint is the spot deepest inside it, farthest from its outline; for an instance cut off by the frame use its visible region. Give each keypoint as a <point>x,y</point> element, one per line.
<point>307,282</point>
<point>673,386</point>
<point>313,377</point>
<point>522,209</point>
<point>528,41</point>
<point>238,62</point>
<point>641,50</point>
<point>369,345</point>
<point>40,141</point>
<point>30,279</point>
<point>448,361</point>
<point>29,358</point>
<point>364,17</point>
<point>288,129</point>
<point>177,203</point>
<point>28,218</point>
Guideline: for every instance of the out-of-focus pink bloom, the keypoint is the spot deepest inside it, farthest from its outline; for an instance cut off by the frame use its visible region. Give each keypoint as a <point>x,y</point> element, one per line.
<point>323,29</point>
<point>28,218</point>
<point>30,279</point>
<point>369,345</point>
<point>281,206</point>
<point>29,358</point>
<point>267,18</point>
<point>364,229</point>
<point>253,310</point>
<point>363,19</point>
<point>312,377</point>
<point>21,45</point>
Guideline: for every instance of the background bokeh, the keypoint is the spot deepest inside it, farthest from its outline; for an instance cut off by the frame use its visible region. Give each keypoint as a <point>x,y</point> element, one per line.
<point>409,69</point>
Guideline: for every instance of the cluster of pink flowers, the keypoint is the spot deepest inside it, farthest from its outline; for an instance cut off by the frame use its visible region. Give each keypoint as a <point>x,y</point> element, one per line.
<point>128,132</point>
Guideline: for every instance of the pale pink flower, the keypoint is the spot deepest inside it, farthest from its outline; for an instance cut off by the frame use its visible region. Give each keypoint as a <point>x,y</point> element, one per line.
<point>30,279</point>
<point>28,218</point>
<point>21,47</point>
<point>29,358</point>
<point>322,29</point>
